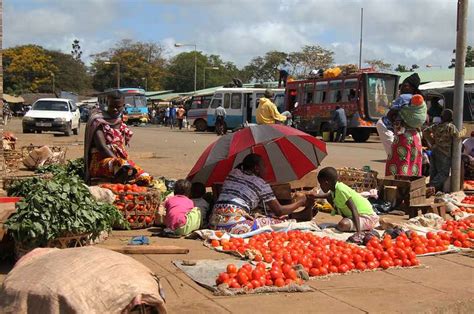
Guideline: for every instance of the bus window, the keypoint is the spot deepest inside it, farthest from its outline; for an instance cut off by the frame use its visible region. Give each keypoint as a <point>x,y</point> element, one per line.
<point>320,95</point>
<point>381,91</point>
<point>350,90</point>
<point>236,102</point>
<point>227,101</point>
<point>335,94</point>
<point>308,95</point>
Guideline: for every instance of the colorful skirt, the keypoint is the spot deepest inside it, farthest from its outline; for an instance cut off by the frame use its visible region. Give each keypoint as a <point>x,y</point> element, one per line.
<point>234,219</point>
<point>107,168</point>
<point>406,155</point>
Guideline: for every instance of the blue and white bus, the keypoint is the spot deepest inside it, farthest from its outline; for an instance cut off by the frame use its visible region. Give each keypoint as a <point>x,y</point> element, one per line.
<point>136,109</point>
<point>240,104</point>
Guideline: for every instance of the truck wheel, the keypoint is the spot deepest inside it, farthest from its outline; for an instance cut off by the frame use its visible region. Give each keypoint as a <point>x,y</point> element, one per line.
<point>68,130</point>
<point>27,131</point>
<point>76,130</point>
<point>200,125</point>
<point>360,136</point>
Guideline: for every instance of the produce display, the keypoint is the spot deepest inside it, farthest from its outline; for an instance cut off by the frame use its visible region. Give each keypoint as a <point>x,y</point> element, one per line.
<point>71,168</point>
<point>468,200</point>
<point>321,256</point>
<point>58,207</point>
<point>249,277</point>
<point>462,233</point>
<point>469,185</point>
<point>137,204</point>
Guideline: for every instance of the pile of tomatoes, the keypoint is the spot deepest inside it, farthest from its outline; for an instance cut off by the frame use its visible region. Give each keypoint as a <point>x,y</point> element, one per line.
<point>249,277</point>
<point>321,256</point>
<point>130,200</point>
<point>469,210</point>
<point>468,200</point>
<point>462,232</point>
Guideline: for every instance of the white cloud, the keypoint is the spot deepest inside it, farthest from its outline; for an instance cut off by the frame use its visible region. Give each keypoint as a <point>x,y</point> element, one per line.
<point>397,31</point>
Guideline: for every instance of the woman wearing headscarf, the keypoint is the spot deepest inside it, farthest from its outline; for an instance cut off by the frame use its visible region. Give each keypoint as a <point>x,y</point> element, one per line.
<point>242,192</point>
<point>405,157</point>
<point>105,153</point>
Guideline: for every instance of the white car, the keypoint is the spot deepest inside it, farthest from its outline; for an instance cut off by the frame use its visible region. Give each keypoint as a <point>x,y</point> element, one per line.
<point>52,114</point>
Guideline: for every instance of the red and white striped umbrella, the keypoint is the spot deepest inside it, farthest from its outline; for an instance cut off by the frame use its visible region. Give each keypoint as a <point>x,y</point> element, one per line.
<point>288,154</point>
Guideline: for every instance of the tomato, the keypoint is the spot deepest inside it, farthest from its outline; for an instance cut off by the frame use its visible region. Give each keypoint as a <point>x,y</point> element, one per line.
<point>268,282</point>
<point>231,268</point>
<point>371,265</point>
<point>242,278</point>
<point>215,243</point>
<point>279,282</point>
<point>235,285</point>
<point>268,258</point>
<point>314,272</point>
<point>275,274</point>
<point>247,267</point>
<point>323,271</point>
<point>457,243</point>
<point>343,268</point>
<point>255,284</point>
<point>333,269</point>
<point>256,274</point>
<point>361,266</point>
<point>384,264</point>
<point>223,278</point>
<point>148,219</point>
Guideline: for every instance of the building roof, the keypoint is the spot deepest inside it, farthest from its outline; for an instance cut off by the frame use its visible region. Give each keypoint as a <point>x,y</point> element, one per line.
<point>437,75</point>
<point>13,99</point>
<point>157,92</point>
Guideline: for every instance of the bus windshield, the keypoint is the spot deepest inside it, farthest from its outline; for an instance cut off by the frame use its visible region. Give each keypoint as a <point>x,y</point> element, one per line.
<point>135,100</point>
<point>381,91</point>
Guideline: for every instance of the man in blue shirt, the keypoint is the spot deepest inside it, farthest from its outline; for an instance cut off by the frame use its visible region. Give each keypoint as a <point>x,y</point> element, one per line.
<point>172,116</point>
<point>340,120</point>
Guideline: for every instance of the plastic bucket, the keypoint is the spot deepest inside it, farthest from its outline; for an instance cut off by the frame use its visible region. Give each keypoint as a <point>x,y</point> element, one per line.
<point>327,136</point>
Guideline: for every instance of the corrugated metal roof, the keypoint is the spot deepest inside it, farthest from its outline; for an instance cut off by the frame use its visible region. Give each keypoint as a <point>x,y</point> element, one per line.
<point>157,92</point>
<point>437,75</point>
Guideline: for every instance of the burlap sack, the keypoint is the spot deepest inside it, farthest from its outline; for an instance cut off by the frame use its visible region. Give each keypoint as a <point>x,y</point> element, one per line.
<point>37,157</point>
<point>79,280</point>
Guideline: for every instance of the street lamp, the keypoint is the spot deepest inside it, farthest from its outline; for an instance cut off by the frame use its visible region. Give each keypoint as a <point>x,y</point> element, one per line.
<point>177,45</point>
<point>118,71</point>
<point>146,83</point>
<point>204,75</point>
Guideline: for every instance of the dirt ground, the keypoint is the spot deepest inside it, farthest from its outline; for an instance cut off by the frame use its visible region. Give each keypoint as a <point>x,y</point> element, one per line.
<point>444,284</point>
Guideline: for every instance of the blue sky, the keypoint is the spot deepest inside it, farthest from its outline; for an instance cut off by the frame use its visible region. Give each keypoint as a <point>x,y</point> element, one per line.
<point>398,31</point>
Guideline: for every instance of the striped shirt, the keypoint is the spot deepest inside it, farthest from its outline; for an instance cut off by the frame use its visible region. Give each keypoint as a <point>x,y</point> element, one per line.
<point>246,191</point>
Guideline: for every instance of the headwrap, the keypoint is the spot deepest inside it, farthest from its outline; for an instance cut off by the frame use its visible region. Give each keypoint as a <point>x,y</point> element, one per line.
<point>413,80</point>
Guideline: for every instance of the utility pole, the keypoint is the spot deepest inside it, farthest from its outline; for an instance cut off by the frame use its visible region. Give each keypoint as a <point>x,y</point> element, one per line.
<point>461,30</point>
<point>360,44</point>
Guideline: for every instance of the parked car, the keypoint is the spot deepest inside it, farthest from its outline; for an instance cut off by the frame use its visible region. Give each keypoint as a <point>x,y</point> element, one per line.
<point>52,114</point>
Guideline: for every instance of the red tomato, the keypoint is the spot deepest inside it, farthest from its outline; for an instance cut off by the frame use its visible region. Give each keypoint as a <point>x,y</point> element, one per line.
<point>361,266</point>
<point>255,284</point>
<point>275,274</point>
<point>242,278</point>
<point>384,264</point>
<point>256,274</point>
<point>279,282</point>
<point>231,268</point>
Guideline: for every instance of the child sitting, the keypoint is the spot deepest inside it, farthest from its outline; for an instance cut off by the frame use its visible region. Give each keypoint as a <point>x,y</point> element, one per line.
<point>197,192</point>
<point>357,212</point>
<point>181,215</point>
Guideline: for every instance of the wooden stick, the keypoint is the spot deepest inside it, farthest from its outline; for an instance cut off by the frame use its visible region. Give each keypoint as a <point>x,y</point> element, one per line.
<point>146,249</point>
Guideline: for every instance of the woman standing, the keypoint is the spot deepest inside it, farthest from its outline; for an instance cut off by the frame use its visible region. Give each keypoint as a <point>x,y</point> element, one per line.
<point>405,157</point>
<point>105,154</point>
<point>242,192</point>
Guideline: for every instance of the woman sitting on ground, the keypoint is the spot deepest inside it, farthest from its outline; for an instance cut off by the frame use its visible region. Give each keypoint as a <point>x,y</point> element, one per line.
<point>242,192</point>
<point>105,155</point>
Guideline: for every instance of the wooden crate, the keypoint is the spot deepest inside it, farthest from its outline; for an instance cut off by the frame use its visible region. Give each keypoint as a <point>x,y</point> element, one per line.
<point>411,190</point>
<point>358,179</point>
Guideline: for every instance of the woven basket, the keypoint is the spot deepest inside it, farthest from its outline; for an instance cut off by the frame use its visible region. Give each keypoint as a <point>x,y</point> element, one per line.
<point>358,179</point>
<point>139,208</point>
<point>68,241</point>
<point>11,161</point>
<point>9,180</point>
<point>58,158</point>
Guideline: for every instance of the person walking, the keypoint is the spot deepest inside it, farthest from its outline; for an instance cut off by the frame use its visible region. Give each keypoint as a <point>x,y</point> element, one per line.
<point>220,115</point>
<point>167,116</point>
<point>180,116</point>
<point>172,117</point>
<point>340,120</point>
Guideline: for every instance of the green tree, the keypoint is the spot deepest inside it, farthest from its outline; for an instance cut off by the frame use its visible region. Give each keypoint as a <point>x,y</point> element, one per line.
<point>264,68</point>
<point>28,68</point>
<point>402,68</point>
<point>70,74</point>
<point>310,58</point>
<point>140,63</point>
<point>469,58</point>
<point>379,64</point>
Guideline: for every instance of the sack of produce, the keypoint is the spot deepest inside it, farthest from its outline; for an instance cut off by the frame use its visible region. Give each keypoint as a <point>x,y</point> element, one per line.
<point>80,280</point>
<point>37,157</point>
<point>102,195</point>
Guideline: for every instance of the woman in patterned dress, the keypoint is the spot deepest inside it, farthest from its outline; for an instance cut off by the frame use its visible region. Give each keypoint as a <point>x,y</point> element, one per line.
<point>105,154</point>
<point>242,192</point>
<point>406,155</point>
